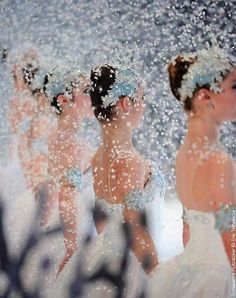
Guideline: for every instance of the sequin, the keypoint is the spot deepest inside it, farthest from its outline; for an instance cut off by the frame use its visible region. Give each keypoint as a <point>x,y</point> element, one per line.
<point>138,199</point>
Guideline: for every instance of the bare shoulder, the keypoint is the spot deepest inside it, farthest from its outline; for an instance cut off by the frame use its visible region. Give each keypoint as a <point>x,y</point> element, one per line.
<point>128,172</point>
<point>219,171</point>
<point>218,162</point>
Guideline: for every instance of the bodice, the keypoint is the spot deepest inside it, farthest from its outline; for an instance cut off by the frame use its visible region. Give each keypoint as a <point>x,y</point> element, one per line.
<point>137,199</point>
<point>221,220</point>
<point>205,233</point>
<point>112,238</point>
<point>74,176</point>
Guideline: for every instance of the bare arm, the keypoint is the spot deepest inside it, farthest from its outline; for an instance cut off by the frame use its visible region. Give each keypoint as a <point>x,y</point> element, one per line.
<point>229,244</point>
<point>186,234</point>
<point>132,174</point>
<point>13,115</point>
<point>67,213</point>
<point>142,243</point>
<point>222,189</point>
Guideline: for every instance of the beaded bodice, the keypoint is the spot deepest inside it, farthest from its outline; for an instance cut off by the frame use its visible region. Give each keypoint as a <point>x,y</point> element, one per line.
<point>222,220</point>
<point>138,199</point>
<point>206,229</point>
<point>225,218</point>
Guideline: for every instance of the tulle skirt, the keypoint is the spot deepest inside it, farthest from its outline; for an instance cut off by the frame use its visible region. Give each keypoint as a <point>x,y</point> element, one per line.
<point>180,279</point>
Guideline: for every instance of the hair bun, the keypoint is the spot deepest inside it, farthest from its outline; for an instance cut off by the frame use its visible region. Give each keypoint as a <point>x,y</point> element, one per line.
<point>177,69</point>
<point>102,78</point>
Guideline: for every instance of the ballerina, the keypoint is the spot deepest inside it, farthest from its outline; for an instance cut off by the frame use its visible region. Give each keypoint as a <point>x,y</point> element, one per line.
<point>32,119</point>
<point>125,185</point>
<point>205,174</point>
<point>42,126</point>
<point>69,156</point>
<point>22,108</point>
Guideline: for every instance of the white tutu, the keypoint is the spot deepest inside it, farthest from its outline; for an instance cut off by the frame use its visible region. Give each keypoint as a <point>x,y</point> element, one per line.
<point>108,247</point>
<point>202,270</point>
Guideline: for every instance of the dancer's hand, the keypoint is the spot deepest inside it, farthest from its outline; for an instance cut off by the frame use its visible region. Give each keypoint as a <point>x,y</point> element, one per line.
<point>64,261</point>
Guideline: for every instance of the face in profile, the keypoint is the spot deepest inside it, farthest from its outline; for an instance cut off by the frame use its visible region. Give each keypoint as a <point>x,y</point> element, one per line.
<point>225,101</point>
<point>136,110</point>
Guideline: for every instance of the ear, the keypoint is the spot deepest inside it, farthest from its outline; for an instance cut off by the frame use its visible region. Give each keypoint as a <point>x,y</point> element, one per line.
<point>62,99</point>
<point>124,104</point>
<point>203,95</point>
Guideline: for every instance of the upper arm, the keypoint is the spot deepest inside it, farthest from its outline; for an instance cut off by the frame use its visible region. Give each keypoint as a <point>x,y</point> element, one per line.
<point>12,108</point>
<point>130,175</point>
<point>186,233</point>
<point>220,174</point>
<point>126,175</point>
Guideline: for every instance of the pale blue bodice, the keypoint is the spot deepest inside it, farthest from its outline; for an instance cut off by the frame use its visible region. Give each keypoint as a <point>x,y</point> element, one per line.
<point>138,199</point>
<point>74,176</point>
<point>223,218</point>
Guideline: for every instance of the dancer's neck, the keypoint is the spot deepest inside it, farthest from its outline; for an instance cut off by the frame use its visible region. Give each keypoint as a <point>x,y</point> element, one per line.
<point>69,119</point>
<point>202,126</point>
<point>116,136</point>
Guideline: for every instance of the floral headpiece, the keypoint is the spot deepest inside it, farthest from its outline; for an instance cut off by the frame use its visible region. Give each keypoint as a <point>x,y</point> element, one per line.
<point>209,67</point>
<point>126,84</point>
<point>61,81</point>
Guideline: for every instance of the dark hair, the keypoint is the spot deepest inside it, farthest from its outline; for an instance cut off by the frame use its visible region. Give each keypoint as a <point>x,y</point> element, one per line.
<point>29,72</point>
<point>102,79</point>
<point>4,55</point>
<point>177,69</point>
<point>54,102</point>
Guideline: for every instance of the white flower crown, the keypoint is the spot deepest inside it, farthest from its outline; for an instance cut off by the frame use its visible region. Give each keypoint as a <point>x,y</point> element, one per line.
<point>209,67</point>
<point>126,84</point>
<point>61,81</point>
